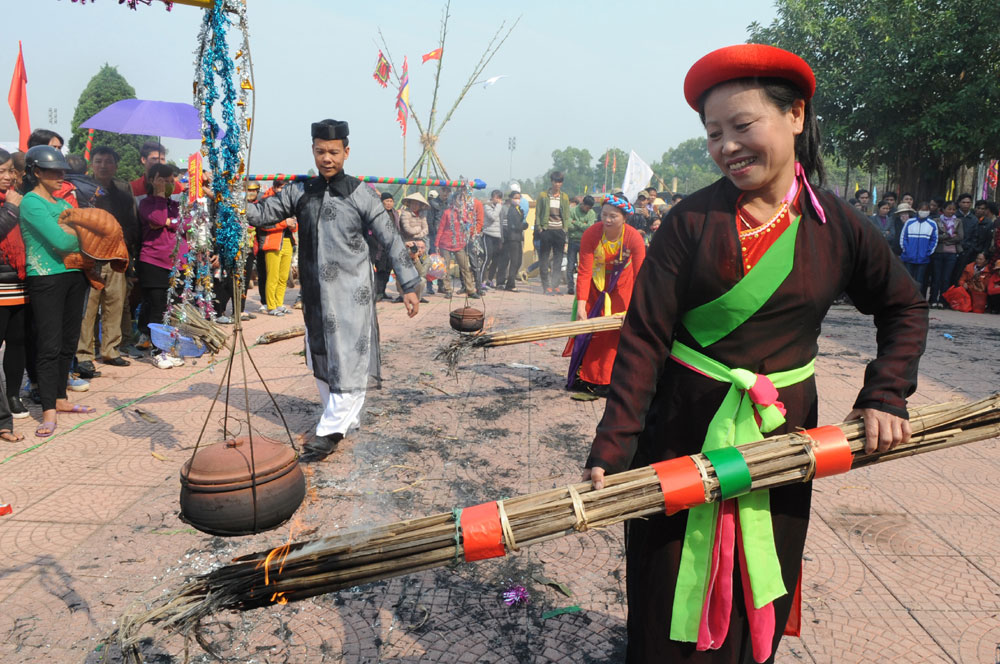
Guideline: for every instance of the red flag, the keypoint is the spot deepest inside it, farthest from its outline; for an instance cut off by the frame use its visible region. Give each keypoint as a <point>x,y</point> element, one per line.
<point>434,55</point>
<point>614,163</point>
<point>382,71</point>
<point>403,98</point>
<point>607,154</point>
<point>993,174</point>
<point>18,100</point>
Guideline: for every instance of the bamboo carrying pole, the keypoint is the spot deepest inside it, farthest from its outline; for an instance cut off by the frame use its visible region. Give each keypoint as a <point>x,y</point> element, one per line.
<point>452,353</point>
<point>301,570</point>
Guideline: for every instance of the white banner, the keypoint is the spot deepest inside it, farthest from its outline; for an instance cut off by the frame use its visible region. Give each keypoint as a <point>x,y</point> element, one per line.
<point>637,175</point>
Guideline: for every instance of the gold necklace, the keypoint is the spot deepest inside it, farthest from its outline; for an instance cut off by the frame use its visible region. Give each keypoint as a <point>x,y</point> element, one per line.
<point>764,227</point>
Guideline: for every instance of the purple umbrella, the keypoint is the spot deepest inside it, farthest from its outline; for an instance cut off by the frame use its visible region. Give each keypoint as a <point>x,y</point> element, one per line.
<point>148,118</point>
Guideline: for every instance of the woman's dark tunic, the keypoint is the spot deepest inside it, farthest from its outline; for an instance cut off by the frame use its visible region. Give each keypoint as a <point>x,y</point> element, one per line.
<point>657,409</point>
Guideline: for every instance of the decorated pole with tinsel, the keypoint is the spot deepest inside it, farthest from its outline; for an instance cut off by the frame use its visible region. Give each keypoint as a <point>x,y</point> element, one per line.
<point>90,144</point>
<point>420,182</point>
<point>216,228</point>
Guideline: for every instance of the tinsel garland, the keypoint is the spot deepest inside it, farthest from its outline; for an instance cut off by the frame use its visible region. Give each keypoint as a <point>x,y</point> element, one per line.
<point>191,274</point>
<point>225,234</point>
<point>225,158</point>
<point>133,4</point>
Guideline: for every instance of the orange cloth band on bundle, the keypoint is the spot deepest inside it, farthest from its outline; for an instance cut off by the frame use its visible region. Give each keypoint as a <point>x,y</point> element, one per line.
<point>482,534</point>
<point>830,451</point>
<point>681,483</point>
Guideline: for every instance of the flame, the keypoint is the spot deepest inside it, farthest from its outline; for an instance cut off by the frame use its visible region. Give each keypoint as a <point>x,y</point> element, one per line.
<point>281,553</point>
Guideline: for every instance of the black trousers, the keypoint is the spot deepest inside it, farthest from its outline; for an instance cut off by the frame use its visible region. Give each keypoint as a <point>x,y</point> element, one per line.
<point>223,290</point>
<point>261,279</point>
<point>14,333</point>
<point>155,282</point>
<point>572,258</point>
<point>57,305</point>
<point>514,251</point>
<point>494,252</point>
<point>550,256</point>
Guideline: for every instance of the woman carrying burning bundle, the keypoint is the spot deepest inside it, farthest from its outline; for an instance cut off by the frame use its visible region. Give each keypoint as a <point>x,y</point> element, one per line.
<point>611,253</point>
<point>718,349</point>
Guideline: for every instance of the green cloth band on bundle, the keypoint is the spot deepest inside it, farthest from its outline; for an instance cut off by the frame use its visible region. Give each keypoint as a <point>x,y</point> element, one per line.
<point>732,471</point>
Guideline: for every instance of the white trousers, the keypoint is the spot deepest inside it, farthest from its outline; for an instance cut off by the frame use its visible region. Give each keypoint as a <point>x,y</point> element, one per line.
<point>341,410</point>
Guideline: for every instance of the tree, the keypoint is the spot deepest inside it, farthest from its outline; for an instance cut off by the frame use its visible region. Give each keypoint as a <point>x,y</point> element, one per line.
<point>104,89</point>
<point>690,163</point>
<point>903,84</point>
<point>575,166</point>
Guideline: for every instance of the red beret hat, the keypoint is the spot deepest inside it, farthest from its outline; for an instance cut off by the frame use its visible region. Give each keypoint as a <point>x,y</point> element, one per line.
<point>747,61</point>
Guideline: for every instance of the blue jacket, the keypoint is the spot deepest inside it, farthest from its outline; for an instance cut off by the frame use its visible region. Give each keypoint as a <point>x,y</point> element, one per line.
<point>918,240</point>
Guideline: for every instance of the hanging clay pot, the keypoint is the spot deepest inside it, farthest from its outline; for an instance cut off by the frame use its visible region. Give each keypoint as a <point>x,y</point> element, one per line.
<point>217,492</point>
<point>466,319</point>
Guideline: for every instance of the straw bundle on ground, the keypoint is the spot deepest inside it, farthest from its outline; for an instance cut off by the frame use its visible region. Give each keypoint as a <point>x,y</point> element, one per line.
<point>304,569</point>
<point>453,352</point>
<point>281,335</point>
<point>190,322</point>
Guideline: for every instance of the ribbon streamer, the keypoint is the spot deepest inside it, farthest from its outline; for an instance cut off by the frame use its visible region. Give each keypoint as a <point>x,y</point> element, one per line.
<point>420,182</point>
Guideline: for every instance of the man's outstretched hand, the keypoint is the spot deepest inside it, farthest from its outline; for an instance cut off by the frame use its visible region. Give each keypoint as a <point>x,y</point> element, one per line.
<point>412,303</point>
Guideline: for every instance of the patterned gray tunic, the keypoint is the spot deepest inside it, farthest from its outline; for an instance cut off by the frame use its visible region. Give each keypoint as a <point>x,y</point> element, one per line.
<point>336,274</point>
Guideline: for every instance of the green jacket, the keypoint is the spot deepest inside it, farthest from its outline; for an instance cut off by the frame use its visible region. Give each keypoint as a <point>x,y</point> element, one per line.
<point>45,241</point>
<point>542,211</point>
<point>579,222</point>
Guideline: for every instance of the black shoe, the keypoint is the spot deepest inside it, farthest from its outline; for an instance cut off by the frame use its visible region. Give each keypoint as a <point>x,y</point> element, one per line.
<point>321,447</point>
<point>598,390</point>
<point>17,409</point>
<point>116,361</point>
<point>424,300</point>
<point>398,300</point>
<point>474,296</point>
<point>87,370</point>
<point>569,291</point>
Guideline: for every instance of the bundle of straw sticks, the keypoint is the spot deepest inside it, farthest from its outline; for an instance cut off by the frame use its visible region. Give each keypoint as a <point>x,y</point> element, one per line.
<point>300,570</point>
<point>190,322</point>
<point>453,352</point>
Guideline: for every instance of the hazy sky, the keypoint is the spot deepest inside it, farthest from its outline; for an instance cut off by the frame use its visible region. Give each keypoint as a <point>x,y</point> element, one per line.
<point>585,73</point>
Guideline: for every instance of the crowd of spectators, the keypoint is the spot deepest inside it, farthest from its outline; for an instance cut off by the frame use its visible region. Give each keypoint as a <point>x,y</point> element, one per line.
<point>55,328</point>
<point>60,318</point>
<point>951,248</point>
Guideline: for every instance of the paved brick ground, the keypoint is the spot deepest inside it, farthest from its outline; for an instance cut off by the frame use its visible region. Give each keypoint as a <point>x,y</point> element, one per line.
<point>901,562</point>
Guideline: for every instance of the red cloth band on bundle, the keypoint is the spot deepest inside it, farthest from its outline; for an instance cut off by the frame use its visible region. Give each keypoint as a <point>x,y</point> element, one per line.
<point>831,451</point>
<point>482,534</point>
<point>681,483</point>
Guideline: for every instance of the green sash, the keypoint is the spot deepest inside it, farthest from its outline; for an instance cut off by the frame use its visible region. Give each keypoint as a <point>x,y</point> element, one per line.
<point>734,424</point>
<point>715,320</point>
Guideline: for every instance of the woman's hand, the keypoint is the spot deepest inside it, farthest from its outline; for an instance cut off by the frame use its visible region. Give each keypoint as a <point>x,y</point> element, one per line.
<point>883,431</point>
<point>595,475</point>
<point>581,309</point>
<point>13,197</point>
